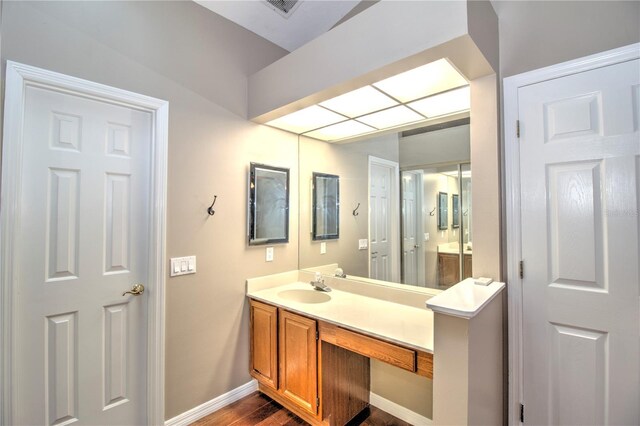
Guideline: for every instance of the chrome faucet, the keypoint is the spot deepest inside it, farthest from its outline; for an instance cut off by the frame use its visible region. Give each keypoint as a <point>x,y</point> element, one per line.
<point>318,283</point>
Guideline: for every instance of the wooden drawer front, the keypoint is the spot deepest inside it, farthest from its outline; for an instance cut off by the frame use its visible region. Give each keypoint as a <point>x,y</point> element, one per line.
<point>264,343</point>
<point>425,364</point>
<point>377,349</point>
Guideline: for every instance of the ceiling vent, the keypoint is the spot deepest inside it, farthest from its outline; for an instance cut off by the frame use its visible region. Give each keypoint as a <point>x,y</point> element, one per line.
<point>283,7</point>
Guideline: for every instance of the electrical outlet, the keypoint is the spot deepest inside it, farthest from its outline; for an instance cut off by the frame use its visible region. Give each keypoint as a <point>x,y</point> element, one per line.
<point>426,236</point>
<point>323,248</point>
<point>269,254</point>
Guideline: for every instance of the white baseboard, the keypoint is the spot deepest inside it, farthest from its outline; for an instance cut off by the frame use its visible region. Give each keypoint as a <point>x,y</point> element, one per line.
<point>399,411</point>
<point>215,404</point>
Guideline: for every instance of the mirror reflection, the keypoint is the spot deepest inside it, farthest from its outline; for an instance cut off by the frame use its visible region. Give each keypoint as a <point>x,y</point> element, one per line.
<point>326,206</point>
<point>400,234</point>
<point>268,204</point>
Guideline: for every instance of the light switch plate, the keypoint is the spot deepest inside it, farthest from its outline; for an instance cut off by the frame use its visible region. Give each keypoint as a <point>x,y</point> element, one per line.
<point>183,265</point>
<point>363,244</point>
<point>426,236</point>
<point>269,254</point>
<point>323,248</point>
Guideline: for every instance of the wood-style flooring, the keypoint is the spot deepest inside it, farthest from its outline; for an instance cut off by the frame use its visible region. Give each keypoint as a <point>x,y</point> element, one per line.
<point>260,410</point>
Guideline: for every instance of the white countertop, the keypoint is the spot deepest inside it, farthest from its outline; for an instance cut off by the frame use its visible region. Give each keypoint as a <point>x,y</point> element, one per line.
<point>464,299</point>
<point>406,325</point>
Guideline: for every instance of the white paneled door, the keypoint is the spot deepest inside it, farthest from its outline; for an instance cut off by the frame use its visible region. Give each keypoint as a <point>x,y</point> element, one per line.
<point>580,183</point>
<point>383,220</point>
<point>412,247</point>
<point>80,345</point>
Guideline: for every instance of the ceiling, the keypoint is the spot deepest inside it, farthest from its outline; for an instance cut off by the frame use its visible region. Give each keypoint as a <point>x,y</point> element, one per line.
<point>307,20</point>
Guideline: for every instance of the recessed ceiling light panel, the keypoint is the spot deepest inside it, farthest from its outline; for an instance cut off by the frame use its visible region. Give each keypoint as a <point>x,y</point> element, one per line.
<point>391,117</point>
<point>434,77</point>
<point>306,119</point>
<point>359,102</point>
<point>444,103</point>
<point>342,130</point>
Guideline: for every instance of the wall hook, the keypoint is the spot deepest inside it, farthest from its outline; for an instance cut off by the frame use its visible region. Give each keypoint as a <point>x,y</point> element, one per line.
<point>355,211</point>
<point>210,210</point>
<point>432,212</point>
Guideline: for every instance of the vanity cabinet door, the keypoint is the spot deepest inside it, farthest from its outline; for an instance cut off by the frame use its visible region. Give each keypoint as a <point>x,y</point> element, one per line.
<point>264,343</point>
<point>298,360</point>
<point>448,269</point>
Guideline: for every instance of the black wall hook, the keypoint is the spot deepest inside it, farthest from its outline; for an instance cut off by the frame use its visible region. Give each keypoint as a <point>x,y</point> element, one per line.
<point>355,211</point>
<point>432,212</point>
<point>210,210</point>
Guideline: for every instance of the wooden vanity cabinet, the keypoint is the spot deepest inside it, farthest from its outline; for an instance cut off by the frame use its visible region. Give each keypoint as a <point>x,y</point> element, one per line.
<point>448,269</point>
<point>264,343</point>
<point>284,358</point>
<point>318,370</point>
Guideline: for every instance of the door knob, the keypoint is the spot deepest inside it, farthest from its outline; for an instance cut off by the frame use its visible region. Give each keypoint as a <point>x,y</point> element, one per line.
<point>416,246</point>
<point>374,252</point>
<point>136,290</point>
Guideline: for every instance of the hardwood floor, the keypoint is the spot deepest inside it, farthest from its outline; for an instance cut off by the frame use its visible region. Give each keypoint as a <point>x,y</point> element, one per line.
<point>260,410</point>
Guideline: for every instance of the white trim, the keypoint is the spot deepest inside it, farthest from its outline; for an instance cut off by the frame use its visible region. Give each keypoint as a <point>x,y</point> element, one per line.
<point>214,405</point>
<point>395,215</point>
<point>511,86</point>
<point>18,77</point>
<point>398,411</point>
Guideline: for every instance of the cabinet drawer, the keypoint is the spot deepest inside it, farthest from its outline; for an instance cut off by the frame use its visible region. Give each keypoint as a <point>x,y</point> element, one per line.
<point>377,349</point>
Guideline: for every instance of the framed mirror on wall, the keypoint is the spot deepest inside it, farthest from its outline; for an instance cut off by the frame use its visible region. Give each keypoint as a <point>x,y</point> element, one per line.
<point>455,209</point>
<point>268,204</point>
<point>326,206</point>
<point>443,210</point>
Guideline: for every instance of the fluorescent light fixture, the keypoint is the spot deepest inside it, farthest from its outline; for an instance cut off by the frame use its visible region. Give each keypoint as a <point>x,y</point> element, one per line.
<point>306,119</point>
<point>342,130</point>
<point>391,117</point>
<point>444,103</point>
<point>434,77</point>
<point>359,102</point>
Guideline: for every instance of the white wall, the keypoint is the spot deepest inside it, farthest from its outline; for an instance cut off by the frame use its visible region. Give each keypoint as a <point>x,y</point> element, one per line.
<point>535,34</point>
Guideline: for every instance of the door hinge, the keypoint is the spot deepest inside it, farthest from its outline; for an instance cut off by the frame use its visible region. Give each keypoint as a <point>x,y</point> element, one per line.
<point>521,269</point>
<point>317,402</point>
<point>518,128</point>
<point>317,335</point>
<point>521,413</point>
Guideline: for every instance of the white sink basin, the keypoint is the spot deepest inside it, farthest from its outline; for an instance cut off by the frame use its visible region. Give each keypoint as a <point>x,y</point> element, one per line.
<point>305,296</point>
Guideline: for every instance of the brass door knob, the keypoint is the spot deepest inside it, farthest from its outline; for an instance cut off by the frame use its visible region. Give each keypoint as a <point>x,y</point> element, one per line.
<point>136,290</point>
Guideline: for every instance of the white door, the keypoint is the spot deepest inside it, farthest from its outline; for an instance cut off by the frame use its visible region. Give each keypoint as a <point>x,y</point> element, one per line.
<point>412,250</point>
<point>580,182</point>
<point>80,345</point>
<point>383,220</point>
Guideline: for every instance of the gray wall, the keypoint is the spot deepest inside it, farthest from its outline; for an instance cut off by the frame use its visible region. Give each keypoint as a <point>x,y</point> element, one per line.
<point>535,34</point>
<point>199,62</point>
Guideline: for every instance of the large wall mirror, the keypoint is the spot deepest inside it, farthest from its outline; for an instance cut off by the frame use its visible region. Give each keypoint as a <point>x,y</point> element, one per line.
<point>400,235</point>
<point>268,204</point>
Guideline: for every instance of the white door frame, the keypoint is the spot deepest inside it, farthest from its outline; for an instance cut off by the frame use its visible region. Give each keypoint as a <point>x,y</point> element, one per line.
<point>512,192</point>
<point>395,214</point>
<point>18,77</point>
